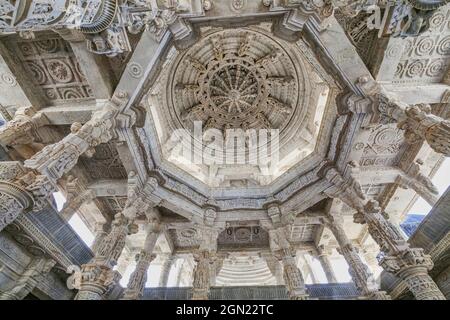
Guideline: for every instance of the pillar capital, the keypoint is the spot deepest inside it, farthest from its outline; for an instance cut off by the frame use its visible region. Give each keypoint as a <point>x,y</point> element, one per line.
<point>21,191</point>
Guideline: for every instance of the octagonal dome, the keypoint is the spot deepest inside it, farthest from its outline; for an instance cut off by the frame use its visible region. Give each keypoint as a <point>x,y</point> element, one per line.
<point>254,97</point>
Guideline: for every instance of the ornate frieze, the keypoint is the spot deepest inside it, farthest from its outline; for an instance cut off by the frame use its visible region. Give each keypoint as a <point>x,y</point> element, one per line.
<point>105,24</point>
<point>244,236</point>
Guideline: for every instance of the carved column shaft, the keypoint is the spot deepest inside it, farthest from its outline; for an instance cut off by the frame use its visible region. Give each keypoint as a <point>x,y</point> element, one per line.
<point>275,268</point>
<point>282,250</point>
<point>97,277</point>
<point>215,270</point>
<point>136,284</point>
<point>100,234</point>
<point>360,273</point>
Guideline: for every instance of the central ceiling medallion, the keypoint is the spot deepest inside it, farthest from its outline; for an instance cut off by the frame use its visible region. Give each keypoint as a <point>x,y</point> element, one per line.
<point>235,80</point>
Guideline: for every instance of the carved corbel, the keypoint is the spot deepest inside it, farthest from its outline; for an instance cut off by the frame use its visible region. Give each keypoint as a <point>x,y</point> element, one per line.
<point>58,159</point>
<point>22,129</point>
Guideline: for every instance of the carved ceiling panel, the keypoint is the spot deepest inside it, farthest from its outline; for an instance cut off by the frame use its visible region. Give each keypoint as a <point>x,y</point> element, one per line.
<point>52,67</point>
<point>114,204</point>
<point>104,164</point>
<point>242,78</point>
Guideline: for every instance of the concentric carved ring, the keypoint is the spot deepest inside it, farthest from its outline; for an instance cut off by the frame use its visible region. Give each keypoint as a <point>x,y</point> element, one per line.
<point>235,80</point>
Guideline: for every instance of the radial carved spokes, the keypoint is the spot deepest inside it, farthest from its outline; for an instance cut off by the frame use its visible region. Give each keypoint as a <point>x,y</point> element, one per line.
<point>234,88</point>
<point>265,123</point>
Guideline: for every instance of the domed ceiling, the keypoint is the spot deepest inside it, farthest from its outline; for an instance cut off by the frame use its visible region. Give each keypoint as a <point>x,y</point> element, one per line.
<point>239,82</point>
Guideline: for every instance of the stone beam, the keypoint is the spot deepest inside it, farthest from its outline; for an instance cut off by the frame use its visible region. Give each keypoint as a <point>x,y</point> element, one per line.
<point>143,67</point>
<point>108,188</point>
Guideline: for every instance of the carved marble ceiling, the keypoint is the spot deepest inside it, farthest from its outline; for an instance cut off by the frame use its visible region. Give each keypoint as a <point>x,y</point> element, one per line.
<point>258,65</point>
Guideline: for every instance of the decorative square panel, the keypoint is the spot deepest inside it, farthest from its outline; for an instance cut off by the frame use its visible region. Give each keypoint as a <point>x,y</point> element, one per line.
<point>53,68</point>
<point>383,147</point>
